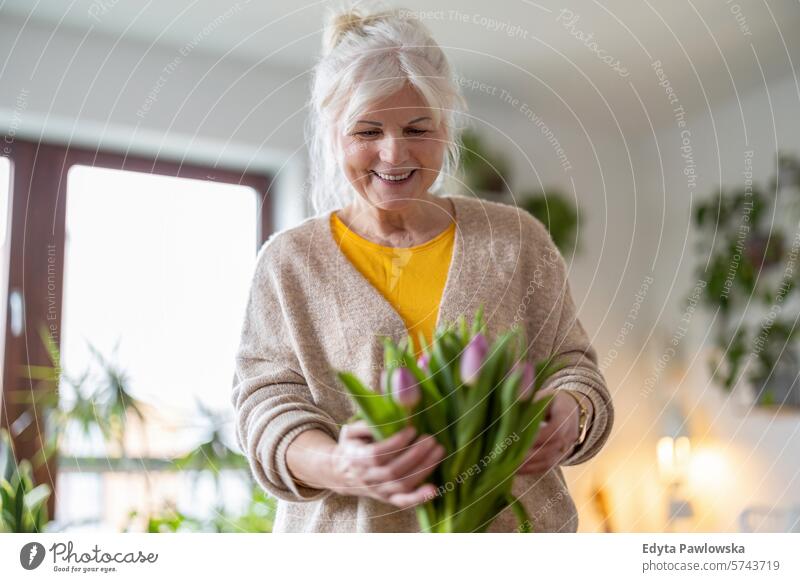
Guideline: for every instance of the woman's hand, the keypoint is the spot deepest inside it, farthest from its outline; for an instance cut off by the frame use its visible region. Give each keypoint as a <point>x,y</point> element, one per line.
<point>390,470</point>
<point>557,436</point>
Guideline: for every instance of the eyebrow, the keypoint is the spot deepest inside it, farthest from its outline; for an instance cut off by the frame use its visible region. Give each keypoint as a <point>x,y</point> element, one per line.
<point>379,124</point>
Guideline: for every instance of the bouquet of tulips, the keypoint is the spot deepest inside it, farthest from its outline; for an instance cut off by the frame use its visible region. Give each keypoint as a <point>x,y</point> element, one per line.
<point>478,401</point>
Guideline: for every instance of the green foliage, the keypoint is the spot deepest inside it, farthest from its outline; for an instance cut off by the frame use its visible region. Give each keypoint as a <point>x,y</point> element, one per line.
<point>258,517</point>
<point>484,171</point>
<point>212,454</point>
<point>100,401</point>
<point>745,256</point>
<point>558,214</point>
<point>486,429</point>
<point>23,505</point>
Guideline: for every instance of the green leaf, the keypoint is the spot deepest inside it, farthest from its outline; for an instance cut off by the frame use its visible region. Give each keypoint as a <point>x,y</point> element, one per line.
<point>384,419</point>
<point>36,496</point>
<point>434,407</point>
<point>424,512</point>
<point>476,401</point>
<point>19,505</point>
<point>477,322</point>
<point>524,522</point>
<point>463,330</point>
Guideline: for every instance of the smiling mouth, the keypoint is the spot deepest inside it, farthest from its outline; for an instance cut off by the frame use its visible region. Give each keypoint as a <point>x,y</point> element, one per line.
<point>394,179</point>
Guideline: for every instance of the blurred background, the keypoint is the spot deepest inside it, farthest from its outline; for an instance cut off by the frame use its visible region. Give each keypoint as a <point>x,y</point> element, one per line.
<point>149,148</point>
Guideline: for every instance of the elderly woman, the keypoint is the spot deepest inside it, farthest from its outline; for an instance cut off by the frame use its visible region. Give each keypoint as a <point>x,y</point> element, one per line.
<point>385,256</point>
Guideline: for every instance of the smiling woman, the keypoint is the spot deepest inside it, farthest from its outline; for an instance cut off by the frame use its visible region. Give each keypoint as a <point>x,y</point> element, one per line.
<point>366,61</point>
<point>391,252</point>
<point>392,158</point>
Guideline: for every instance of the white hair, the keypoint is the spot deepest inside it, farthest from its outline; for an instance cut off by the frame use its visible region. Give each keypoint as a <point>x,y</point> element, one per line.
<point>366,58</point>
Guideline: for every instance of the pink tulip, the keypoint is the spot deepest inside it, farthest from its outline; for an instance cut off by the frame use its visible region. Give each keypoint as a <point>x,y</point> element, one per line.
<point>423,362</point>
<point>404,388</point>
<point>472,359</point>
<point>528,381</point>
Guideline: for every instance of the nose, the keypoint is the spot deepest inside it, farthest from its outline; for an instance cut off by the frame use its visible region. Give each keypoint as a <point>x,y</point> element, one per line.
<point>394,150</point>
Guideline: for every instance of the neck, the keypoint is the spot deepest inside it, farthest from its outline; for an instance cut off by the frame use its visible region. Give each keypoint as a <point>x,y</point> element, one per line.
<point>411,224</point>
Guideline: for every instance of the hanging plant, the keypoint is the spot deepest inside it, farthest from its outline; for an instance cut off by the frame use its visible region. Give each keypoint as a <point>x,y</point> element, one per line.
<point>747,252</point>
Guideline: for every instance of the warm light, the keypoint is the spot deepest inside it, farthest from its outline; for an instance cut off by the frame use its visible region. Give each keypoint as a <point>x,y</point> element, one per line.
<point>683,450</point>
<point>673,458</point>
<point>665,451</point>
<point>708,469</point>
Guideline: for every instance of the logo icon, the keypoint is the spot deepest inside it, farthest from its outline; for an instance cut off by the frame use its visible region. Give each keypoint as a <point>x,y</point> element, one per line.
<point>31,555</point>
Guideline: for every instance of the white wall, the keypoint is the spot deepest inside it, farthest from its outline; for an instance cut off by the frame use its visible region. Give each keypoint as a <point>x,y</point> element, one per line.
<point>638,226</point>
<point>755,453</point>
<point>124,95</point>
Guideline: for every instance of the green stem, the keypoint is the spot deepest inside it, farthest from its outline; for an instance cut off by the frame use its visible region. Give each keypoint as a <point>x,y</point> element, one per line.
<point>424,517</point>
<point>523,520</point>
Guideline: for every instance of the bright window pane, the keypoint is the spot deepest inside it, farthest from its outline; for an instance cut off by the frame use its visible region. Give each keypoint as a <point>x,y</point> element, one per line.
<point>160,266</point>
<point>5,213</point>
<point>5,175</point>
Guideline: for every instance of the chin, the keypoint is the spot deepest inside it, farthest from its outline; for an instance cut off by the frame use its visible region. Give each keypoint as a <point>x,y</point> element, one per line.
<point>393,201</point>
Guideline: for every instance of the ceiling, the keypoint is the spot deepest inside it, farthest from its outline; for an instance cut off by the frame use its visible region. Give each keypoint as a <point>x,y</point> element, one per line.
<point>512,43</point>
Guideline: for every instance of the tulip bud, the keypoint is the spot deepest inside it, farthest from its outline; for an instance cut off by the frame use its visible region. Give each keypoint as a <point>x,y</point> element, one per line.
<point>405,390</point>
<point>423,361</point>
<point>472,359</point>
<point>528,380</point>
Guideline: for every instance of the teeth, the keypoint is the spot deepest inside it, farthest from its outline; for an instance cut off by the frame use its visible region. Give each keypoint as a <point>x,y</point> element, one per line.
<point>394,177</point>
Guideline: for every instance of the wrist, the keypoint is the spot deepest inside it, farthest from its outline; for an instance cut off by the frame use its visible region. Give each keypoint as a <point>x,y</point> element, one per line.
<point>309,459</point>
<point>330,468</point>
<point>585,411</point>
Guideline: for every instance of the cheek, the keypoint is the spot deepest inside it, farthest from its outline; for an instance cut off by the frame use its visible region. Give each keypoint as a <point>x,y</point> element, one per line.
<point>430,154</point>
<point>358,157</point>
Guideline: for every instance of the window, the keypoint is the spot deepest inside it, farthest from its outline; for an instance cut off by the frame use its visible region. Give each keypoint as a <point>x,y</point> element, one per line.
<point>149,262</point>
<point>5,212</point>
<point>156,276</point>
<point>161,265</point>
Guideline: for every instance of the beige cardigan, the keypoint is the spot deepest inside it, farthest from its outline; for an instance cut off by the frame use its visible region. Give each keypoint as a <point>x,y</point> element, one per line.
<point>310,312</point>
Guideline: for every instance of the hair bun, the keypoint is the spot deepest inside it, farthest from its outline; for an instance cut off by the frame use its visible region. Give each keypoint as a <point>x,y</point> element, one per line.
<point>343,23</point>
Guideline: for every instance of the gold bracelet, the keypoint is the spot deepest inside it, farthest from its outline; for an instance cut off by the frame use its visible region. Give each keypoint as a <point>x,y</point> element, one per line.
<point>583,418</point>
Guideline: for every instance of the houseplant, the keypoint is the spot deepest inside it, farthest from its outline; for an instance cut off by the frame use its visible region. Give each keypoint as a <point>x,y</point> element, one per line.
<point>747,252</point>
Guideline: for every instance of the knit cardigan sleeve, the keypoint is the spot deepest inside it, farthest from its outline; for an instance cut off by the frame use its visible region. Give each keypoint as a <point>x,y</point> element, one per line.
<point>271,399</point>
<point>581,372</point>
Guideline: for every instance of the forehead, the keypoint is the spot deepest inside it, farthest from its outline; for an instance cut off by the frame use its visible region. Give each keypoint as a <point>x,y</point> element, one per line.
<point>402,105</point>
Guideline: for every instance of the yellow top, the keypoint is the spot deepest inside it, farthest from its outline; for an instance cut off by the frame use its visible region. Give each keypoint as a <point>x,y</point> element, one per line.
<point>411,279</point>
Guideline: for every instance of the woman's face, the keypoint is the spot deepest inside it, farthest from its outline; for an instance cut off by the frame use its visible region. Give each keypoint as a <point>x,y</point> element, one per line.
<point>394,152</point>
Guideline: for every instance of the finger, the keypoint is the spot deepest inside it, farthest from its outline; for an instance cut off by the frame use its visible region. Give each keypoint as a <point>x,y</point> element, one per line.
<point>540,466</point>
<point>546,436</point>
<point>416,497</point>
<point>544,459</point>
<point>553,445</point>
<point>418,473</point>
<point>357,429</point>
<point>559,424</point>
<point>384,451</point>
<point>537,469</point>
<point>404,463</point>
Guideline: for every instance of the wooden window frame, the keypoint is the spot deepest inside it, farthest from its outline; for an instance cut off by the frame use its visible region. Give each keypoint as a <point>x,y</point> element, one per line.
<point>36,235</point>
